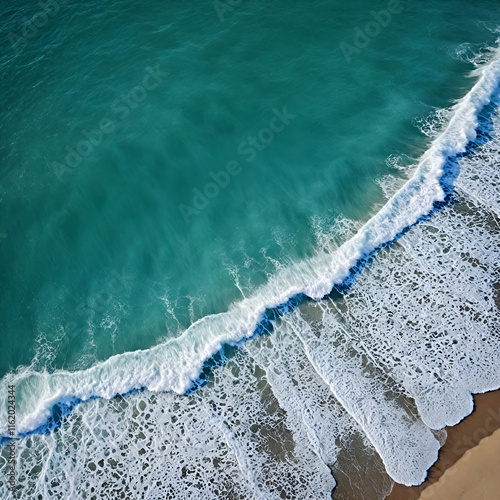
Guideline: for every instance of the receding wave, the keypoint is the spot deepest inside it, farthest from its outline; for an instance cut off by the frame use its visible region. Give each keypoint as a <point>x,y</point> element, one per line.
<point>387,363</point>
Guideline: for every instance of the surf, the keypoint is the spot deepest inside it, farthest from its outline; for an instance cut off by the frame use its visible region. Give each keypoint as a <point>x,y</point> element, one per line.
<point>176,364</point>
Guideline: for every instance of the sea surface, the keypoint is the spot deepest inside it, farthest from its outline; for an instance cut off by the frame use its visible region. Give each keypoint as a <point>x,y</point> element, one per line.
<point>247,249</point>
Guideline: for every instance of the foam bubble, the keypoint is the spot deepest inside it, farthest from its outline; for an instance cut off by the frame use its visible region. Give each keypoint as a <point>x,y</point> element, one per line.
<point>425,311</point>
<point>227,440</point>
<point>319,420</point>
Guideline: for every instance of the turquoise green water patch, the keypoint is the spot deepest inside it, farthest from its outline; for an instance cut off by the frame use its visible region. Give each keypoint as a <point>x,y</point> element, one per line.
<point>158,163</point>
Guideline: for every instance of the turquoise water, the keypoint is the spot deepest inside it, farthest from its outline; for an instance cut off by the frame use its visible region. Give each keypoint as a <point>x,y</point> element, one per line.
<point>177,168</point>
<point>99,258</point>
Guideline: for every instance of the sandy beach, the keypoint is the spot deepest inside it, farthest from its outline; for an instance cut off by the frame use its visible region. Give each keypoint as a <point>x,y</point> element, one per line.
<point>474,477</point>
<point>458,470</point>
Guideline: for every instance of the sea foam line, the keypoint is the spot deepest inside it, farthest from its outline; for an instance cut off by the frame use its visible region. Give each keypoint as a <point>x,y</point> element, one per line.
<point>177,363</point>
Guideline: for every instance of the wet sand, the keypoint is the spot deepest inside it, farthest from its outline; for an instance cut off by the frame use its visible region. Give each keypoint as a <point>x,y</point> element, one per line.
<point>483,422</point>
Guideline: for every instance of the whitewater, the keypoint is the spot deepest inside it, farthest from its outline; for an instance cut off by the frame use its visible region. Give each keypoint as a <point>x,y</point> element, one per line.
<point>329,363</point>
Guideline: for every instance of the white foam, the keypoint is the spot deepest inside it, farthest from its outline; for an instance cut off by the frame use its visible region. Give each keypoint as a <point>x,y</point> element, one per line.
<point>407,447</point>
<point>425,311</point>
<point>147,446</point>
<point>319,422</point>
<point>281,462</point>
<point>227,440</point>
<point>483,165</point>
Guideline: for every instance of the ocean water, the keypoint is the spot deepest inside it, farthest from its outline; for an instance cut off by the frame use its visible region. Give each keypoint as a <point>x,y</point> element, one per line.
<point>248,249</point>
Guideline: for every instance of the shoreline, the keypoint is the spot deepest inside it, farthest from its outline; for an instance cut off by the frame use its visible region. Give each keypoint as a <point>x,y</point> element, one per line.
<point>483,422</point>
<point>473,477</point>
